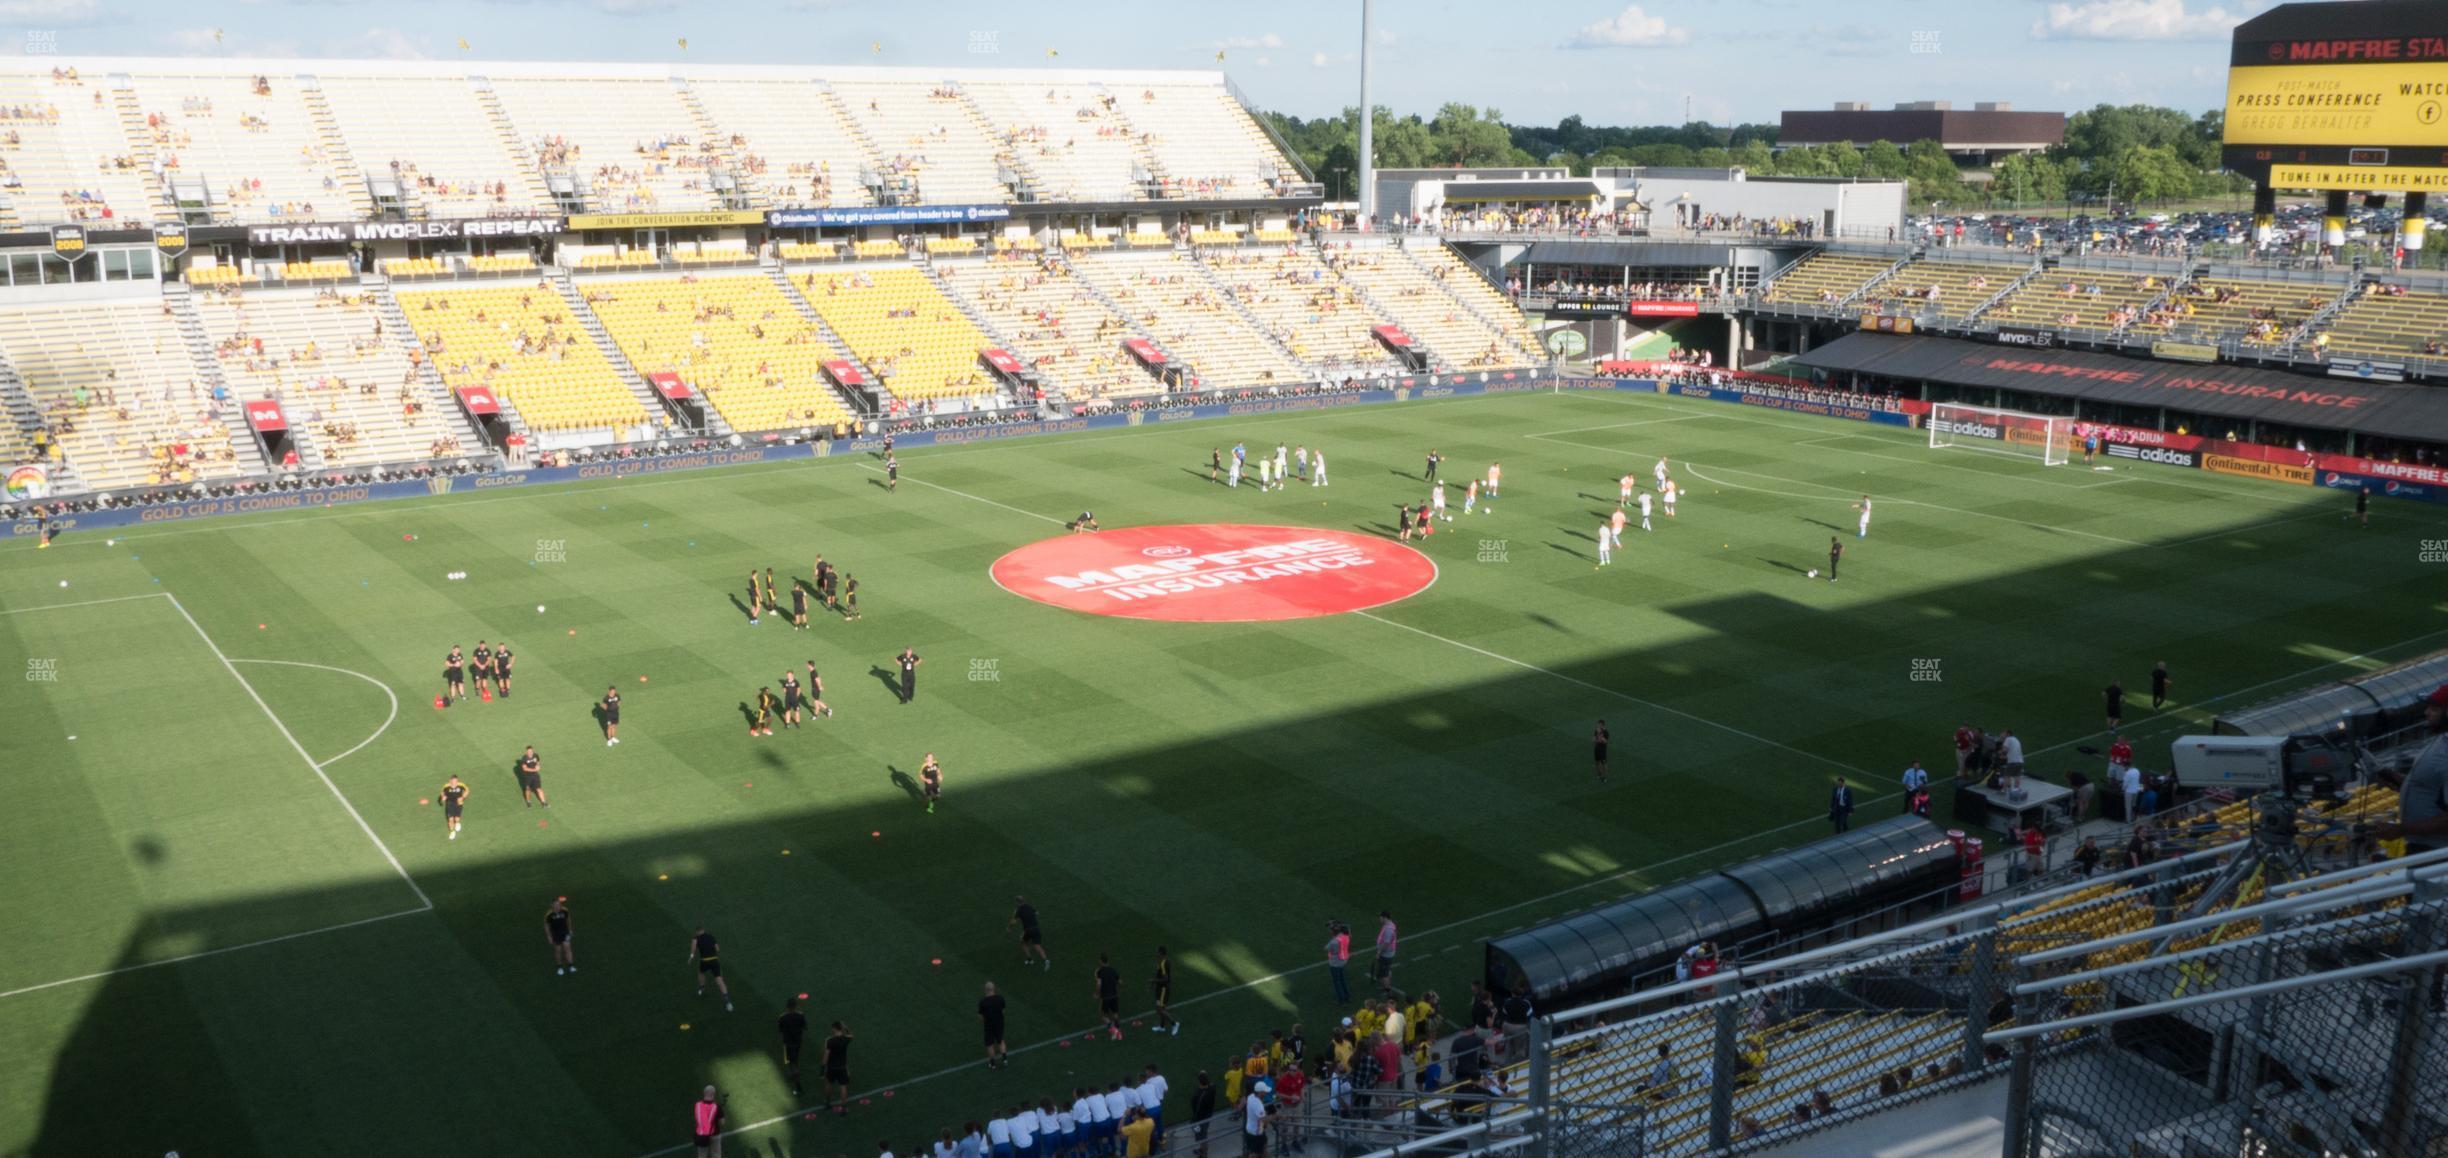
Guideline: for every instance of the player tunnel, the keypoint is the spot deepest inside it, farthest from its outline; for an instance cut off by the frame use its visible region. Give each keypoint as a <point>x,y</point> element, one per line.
<point>1785,896</point>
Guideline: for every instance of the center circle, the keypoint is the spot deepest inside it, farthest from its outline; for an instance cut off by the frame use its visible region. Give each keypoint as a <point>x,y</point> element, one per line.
<point>1215,572</point>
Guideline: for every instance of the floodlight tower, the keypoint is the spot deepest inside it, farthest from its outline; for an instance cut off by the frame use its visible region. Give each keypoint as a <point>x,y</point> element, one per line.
<point>1368,116</point>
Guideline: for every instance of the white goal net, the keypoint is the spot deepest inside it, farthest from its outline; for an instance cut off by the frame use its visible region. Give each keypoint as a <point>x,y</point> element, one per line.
<point>2012,432</point>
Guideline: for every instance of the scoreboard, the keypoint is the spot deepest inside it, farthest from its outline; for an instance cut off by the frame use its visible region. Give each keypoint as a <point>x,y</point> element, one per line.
<point>2341,96</point>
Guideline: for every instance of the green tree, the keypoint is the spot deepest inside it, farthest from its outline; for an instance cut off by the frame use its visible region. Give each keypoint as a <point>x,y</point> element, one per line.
<point>1883,160</point>
<point>1843,159</point>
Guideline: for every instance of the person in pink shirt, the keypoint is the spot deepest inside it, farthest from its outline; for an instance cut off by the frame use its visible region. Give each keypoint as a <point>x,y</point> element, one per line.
<point>706,1116</point>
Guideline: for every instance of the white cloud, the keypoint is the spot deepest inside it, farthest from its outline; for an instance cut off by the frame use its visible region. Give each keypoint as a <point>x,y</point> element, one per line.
<point>43,13</point>
<point>1270,40</point>
<point>2134,20</point>
<point>1630,28</point>
<point>1317,60</point>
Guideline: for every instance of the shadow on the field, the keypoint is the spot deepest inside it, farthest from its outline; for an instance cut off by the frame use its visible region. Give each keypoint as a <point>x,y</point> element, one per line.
<point>741,606</point>
<point>1823,523</point>
<point>902,781</point>
<point>1383,767</point>
<point>889,678</point>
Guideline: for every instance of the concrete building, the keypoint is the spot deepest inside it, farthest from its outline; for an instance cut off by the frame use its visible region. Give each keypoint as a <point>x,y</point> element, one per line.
<point>1686,198</point>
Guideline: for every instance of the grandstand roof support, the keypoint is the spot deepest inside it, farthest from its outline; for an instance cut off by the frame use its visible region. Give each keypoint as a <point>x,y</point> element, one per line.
<point>1368,115</point>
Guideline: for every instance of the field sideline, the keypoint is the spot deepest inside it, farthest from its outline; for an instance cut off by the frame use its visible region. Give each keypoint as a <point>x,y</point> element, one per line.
<point>248,935</point>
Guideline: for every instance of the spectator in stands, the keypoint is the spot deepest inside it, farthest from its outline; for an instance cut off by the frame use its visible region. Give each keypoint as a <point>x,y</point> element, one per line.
<point>2087,857</point>
<point>1468,1051</point>
<point>1661,1080</point>
<point>2081,785</point>
<point>2132,789</point>
<point>2139,850</point>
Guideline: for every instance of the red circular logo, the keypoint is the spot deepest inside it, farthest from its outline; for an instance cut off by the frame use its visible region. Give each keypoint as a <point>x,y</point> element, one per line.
<point>1215,573</point>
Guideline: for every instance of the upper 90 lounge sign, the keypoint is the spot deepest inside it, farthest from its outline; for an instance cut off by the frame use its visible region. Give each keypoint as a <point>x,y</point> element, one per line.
<point>1215,573</point>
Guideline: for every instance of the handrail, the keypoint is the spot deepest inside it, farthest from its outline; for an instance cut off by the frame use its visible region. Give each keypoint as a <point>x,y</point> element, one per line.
<point>2265,908</point>
<point>1787,964</point>
<point>2435,857</point>
<point>2107,971</point>
<point>2260,989</point>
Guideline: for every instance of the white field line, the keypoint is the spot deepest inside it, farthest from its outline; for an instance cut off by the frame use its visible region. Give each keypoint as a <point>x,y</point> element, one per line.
<point>386,691</point>
<point>2033,524</point>
<point>300,749</point>
<point>424,903</point>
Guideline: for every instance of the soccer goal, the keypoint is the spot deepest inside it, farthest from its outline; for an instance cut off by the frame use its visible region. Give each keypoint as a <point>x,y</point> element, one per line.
<point>2039,436</point>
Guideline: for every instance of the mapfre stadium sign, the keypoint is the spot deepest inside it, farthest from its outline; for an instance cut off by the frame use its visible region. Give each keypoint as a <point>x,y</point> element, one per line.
<point>342,233</point>
<point>1215,573</point>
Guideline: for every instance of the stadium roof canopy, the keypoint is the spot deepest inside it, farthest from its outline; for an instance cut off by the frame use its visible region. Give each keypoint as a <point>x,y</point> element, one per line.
<point>2237,392</point>
<point>1784,890</point>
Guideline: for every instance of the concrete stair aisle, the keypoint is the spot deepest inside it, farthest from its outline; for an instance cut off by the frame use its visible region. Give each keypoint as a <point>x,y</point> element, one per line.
<point>628,371</point>
<point>1138,137</point>
<point>436,394</point>
<point>17,408</point>
<point>833,341</point>
<point>720,142</point>
<point>1137,330</point>
<point>250,458</point>
<point>871,159</point>
<point>1974,314</point>
<point>1232,300</point>
<point>1437,359</point>
<point>335,146</point>
<point>1032,187</point>
<point>530,174</point>
<point>985,325</point>
<point>1403,252</point>
<point>140,147</point>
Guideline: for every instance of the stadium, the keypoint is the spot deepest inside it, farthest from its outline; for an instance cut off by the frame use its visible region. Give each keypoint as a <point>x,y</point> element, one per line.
<point>1065,592</point>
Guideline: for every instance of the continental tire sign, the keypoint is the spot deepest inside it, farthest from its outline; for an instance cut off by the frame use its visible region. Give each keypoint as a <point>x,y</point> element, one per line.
<point>2256,468</point>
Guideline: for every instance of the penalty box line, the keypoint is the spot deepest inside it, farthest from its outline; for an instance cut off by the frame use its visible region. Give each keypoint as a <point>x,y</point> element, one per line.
<point>424,903</point>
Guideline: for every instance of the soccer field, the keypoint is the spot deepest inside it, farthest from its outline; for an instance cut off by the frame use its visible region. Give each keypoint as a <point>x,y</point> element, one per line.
<point>235,924</point>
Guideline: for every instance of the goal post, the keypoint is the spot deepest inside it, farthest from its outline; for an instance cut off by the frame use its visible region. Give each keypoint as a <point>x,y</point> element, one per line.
<point>2045,437</point>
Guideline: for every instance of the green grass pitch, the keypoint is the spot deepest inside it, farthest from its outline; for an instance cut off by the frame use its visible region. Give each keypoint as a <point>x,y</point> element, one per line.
<point>212,949</point>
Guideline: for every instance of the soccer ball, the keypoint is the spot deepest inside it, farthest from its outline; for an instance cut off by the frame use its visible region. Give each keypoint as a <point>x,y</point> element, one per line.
<point>539,609</point>
<point>1814,573</point>
<point>63,583</point>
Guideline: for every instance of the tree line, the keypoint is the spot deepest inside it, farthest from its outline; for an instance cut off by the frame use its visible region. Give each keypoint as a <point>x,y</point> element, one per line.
<point>2132,153</point>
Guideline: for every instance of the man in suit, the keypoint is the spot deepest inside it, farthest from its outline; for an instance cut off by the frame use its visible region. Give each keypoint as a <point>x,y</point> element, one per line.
<point>1840,806</point>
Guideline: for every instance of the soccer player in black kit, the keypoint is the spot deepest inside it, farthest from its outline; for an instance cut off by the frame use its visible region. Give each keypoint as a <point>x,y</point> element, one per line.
<point>792,1025</point>
<point>1433,459</point>
<point>482,669</point>
<point>557,934</point>
<point>892,474</point>
<point>1032,940</point>
<point>799,606</point>
<point>1598,748</point>
<point>708,957</point>
<point>815,692</point>
<point>2159,685</point>
<point>1109,995</point>
<point>837,1068</point>
<point>909,661</point>
<point>790,699</point>
<point>454,799</point>
<point>609,705</point>
<point>849,608</point>
<point>501,668</point>
<point>531,779</point>
<point>762,723</point>
<point>1835,555</point>
<point>454,676</point>
<point>930,781</point>
<point>1163,984</point>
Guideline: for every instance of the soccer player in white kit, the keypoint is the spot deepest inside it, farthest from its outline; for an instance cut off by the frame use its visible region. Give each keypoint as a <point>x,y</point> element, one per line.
<point>1644,506</point>
<point>1864,508</point>
<point>1317,467</point>
<point>1671,490</point>
<point>1606,537</point>
<point>1660,472</point>
<point>1232,473</point>
<point>1495,479</point>
<point>1283,463</point>
<point>1266,473</point>
<point>1300,454</point>
<point>1436,500</point>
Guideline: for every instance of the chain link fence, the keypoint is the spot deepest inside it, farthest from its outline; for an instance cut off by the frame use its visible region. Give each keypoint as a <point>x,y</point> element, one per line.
<point>2306,1024</point>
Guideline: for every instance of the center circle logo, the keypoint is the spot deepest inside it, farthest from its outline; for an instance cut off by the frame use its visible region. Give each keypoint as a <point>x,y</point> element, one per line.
<point>1215,573</point>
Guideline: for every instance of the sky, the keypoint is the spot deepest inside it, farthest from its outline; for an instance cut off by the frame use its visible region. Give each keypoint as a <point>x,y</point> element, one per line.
<point>1537,61</point>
